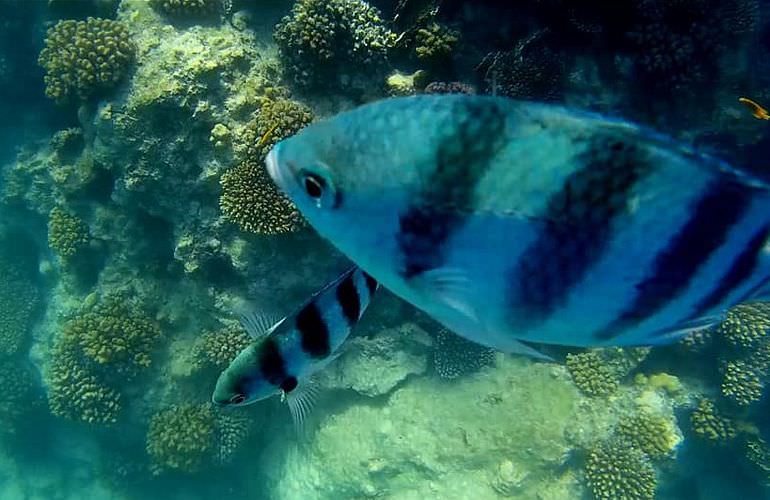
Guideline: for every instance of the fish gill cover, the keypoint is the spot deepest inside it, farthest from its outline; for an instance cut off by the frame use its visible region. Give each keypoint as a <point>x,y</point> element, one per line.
<point>137,222</point>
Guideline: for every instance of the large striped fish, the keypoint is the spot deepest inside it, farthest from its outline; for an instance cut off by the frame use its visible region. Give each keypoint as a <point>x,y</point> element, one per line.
<point>285,354</point>
<point>510,221</point>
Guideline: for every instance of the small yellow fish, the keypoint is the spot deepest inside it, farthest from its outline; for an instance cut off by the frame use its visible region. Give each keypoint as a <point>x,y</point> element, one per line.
<point>266,136</point>
<point>758,111</point>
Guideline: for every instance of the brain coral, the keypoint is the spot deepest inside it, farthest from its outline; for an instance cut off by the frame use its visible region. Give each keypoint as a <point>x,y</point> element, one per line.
<point>323,40</point>
<point>67,233</point>
<point>113,333</point>
<point>181,438</point>
<point>615,471</point>
<point>75,392</point>
<point>251,200</point>
<point>83,57</point>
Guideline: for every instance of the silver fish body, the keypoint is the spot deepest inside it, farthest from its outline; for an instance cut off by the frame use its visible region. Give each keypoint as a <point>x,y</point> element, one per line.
<point>509,221</point>
<point>296,347</point>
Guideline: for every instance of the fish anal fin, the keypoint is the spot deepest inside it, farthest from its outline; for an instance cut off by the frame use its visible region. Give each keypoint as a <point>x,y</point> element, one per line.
<point>301,401</point>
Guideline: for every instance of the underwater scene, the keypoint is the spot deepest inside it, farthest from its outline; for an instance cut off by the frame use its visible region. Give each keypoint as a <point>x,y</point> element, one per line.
<point>398,249</point>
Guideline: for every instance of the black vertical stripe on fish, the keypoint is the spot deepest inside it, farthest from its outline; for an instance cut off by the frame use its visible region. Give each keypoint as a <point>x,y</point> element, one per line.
<point>271,364</point>
<point>722,205</point>
<point>314,334</point>
<point>347,297</point>
<point>371,284</point>
<point>462,158</point>
<point>577,227</point>
<point>741,269</point>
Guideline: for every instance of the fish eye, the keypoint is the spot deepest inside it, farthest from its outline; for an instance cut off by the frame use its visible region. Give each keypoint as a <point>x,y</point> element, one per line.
<point>237,399</point>
<point>314,185</point>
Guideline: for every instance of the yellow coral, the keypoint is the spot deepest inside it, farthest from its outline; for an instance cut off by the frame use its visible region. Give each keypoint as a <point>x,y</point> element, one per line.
<point>220,347</point>
<point>251,200</point>
<point>67,233</point>
<point>276,119</point>
<point>83,57</point>
<point>181,438</point>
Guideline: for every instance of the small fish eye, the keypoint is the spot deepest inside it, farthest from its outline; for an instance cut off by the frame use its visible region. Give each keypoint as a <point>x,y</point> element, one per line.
<point>237,399</point>
<point>314,185</point>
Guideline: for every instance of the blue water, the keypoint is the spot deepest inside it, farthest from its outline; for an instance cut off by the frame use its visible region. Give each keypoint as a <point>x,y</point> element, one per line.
<point>134,226</point>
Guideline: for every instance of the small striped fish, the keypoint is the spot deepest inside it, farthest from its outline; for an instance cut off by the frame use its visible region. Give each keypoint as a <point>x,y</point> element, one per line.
<point>285,354</point>
<point>511,221</point>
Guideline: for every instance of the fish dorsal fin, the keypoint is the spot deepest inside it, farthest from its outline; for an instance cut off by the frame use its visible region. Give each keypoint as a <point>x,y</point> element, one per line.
<point>259,325</point>
<point>451,286</point>
<point>301,401</point>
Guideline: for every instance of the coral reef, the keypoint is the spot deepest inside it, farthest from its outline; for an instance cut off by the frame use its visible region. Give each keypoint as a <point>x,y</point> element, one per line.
<point>455,357</point>
<point>709,423</point>
<point>450,88</point>
<point>181,438</point>
<point>399,84</point>
<point>219,348</point>
<point>652,434</point>
<point>83,57</point>
<point>435,42</point>
<point>74,392</point>
<point>232,428</point>
<point>615,471</point>
<point>591,373</point>
<point>745,325</point>
<point>741,383</point>
<point>19,393</point>
<point>19,297</point>
<point>188,9</point>
<point>330,44</point>
<point>67,233</point>
<point>276,119</point>
<point>115,334</point>
<point>251,200</point>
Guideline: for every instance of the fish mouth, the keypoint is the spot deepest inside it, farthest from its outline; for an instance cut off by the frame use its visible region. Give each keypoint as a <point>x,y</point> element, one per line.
<point>273,169</point>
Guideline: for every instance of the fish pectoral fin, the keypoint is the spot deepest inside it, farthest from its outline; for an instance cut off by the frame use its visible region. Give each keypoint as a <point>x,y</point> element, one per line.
<point>685,328</point>
<point>451,286</point>
<point>259,325</point>
<point>301,401</point>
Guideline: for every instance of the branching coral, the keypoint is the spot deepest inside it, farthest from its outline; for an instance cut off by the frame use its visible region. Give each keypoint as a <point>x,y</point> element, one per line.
<point>618,472</point>
<point>323,40</point>
<point>181,438</point>
<point>746,325</point>
<point>113,333</point>
<point>454,356</point>
<point>75,392</point>
<point>219,348</point>
<point>592,374</point>
<point>758,455</point>
<point>188,8</point>
<point>232,429</point>
<point>67,233</point>
<point>276,120</point>
<point>741,383</point>
<point>251,200</point>
<point>435,42</point>
<point>18,395</point>
<point>83,57</point>
<point>709,423</point>
<point>652,434</point>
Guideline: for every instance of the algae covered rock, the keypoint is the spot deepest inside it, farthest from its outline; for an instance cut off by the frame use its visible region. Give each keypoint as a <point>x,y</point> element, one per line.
<point>429,441</point>
<point>181,438</point>
<point>81,58</point>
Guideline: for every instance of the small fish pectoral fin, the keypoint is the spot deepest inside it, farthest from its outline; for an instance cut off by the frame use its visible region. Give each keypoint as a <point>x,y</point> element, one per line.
<point>301,402</point>
<point>259,325</point>
<point>450,286</point>
<point>683,329</point>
